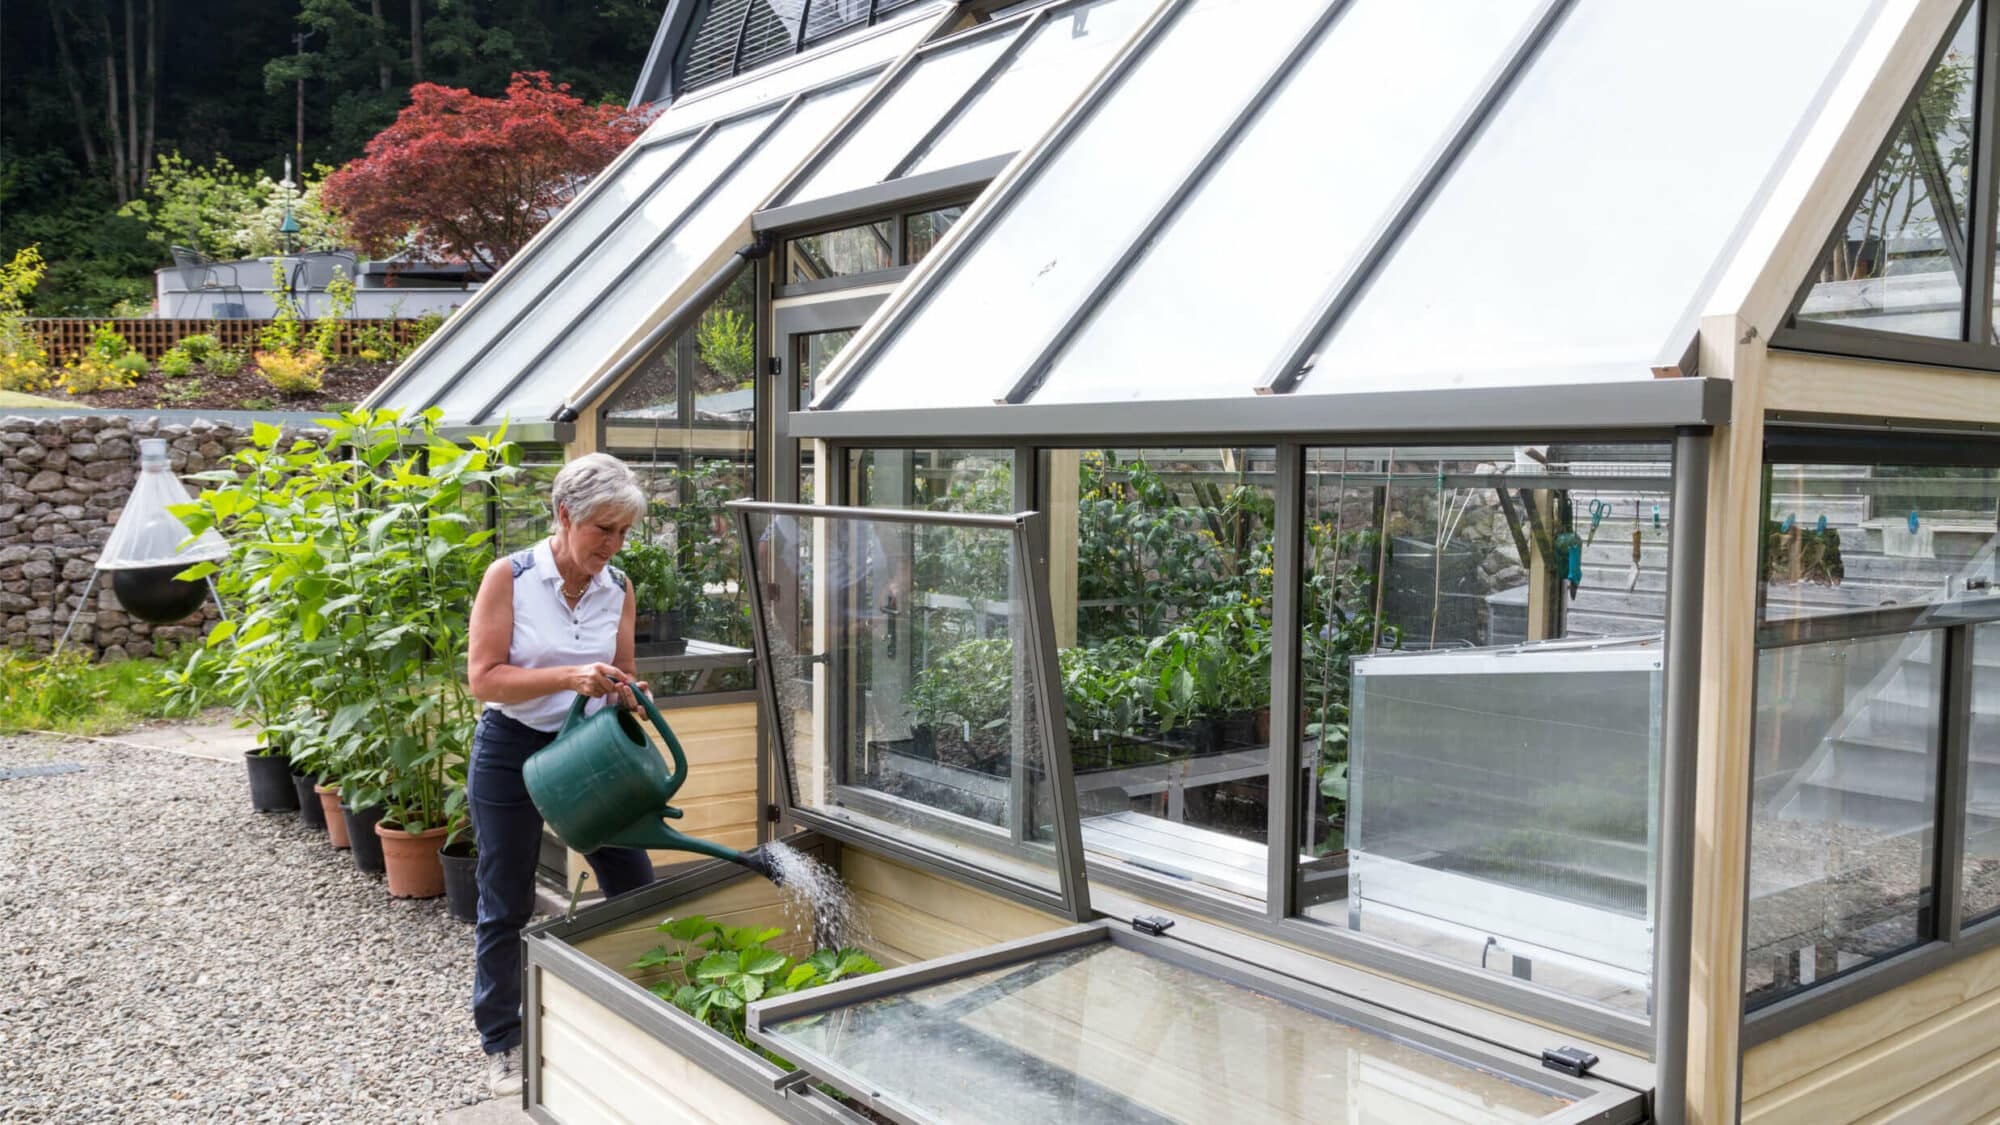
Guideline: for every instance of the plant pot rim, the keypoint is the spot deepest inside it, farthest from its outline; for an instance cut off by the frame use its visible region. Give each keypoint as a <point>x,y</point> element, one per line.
<point>333,789</point>
<point>460,849</point>
<point>389,833</point>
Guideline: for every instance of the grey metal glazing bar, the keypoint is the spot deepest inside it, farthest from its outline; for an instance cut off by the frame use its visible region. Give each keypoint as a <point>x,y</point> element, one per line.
<point>1956,698</point>
<point>973,229</point>
<point>1300,354</point>
<point>652,247</point>
<point>1937,187</point>
<point>1673,925</point>
<point>1985,188</point>
<point>1033,545</point>
<point>663,332</point>
<point>1284,812</point>
<point>576,261</point>
<point>1196,175</point>
<point>970,94</point>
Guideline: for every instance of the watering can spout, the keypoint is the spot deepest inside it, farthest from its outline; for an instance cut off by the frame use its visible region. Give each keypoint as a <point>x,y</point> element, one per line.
<point>650,832</point>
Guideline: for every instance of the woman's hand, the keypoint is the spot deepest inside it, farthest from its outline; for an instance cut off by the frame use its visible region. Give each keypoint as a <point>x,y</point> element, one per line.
<point>594,680</point>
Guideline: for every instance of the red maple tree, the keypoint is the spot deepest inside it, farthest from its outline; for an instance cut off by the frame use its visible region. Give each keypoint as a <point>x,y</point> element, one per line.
<point>460,176</point>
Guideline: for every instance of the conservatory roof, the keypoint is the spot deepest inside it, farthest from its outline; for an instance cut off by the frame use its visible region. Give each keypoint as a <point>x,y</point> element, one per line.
<point>1215,245</point>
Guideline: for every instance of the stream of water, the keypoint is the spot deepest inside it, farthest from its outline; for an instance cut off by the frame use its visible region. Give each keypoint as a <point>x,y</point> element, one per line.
<point>815,896</point>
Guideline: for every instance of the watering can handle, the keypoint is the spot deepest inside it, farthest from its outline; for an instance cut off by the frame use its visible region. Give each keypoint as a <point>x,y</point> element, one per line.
<point>678,776</point>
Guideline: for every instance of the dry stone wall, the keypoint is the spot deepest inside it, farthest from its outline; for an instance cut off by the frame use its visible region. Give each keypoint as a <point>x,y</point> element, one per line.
<point>63,481</point>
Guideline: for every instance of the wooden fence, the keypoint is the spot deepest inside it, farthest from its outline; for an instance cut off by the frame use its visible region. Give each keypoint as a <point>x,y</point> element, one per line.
<point>68,336</point>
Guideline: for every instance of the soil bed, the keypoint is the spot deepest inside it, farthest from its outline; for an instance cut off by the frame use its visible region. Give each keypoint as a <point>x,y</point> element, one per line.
<point>343,383</point>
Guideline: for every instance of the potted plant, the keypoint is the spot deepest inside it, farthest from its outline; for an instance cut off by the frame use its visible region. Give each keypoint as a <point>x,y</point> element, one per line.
<point>658,587</point>
<point>460,859</point>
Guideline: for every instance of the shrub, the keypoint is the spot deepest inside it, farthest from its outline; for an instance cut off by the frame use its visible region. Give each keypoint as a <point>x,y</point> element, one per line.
<point>340,302</point>
<point>24,365</point>
<point>285,333</point>
<point>108,345</point>
<point>199,347</point>
<point>290,372</point>
<point>420,331</point>
<point>375,344</point>
<point>89,373</point>
<point>176,363</point>
<point>226,362</point>
<point>134,365</point>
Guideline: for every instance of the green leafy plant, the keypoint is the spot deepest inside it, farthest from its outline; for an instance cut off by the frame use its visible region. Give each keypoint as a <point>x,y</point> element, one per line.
<point>226,362</point>
<point>200,347</point>
<point>420,330</point>
<point>175,363</point>
<point>69,693</point>
<point>24,363</point>
<point>713,972</point>
<point>727,341</point>
<point>339,302</point>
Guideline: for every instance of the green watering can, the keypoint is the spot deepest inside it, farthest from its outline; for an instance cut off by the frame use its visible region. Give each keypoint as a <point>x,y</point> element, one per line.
<point>601,783</point>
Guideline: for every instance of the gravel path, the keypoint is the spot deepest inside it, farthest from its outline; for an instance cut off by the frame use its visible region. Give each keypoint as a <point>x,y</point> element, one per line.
<point>168,955</point>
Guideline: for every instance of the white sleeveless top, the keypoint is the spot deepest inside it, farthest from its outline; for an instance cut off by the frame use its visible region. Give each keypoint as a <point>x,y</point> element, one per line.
<point>550,634</point>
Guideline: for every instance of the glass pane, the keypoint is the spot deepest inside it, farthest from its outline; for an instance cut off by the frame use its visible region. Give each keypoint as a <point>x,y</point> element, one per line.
<point>922,230</point>
<point>1042,79</point>
<point>1177,327</point>
<point>1574,239</point>
<point>719,353</point>
<point>1482,731</point>
<point>1899,263</point>
<point>1843,809</point>
<point>1044,254</point>
<point>1163,560</point>
<point>934,480</point>
<point>932,85</point>
<point>540,265</point>
<point>816,352</point>
<point>1981,886</point>
<point>1109,1034</point>
<point>898,654</point>
<point>840,253</point>
<point>686,570</point>
<point>585,325</point>
<point>1854,538</point>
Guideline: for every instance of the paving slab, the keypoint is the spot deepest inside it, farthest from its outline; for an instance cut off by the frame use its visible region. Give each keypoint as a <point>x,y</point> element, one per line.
<point>491,1112</point>
<point>215,737</point>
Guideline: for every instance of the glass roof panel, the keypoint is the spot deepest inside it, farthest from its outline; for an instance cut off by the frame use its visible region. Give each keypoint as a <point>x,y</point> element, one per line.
<point>1580,232</point>
<point>1122,351</point>
<point>1042,255</point>
<point>584,326</point>
<point>467,340</point>
<point>1107,1033</point>
<point>931,84</point>
<point>1067,50</point>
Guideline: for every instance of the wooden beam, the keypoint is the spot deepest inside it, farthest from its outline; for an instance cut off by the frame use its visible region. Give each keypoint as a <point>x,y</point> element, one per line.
<point>1064,465</point>
<point>1799,383</point>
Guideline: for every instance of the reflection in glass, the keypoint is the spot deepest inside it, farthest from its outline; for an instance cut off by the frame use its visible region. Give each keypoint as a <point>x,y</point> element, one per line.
<point>1164,622</point>
<point>716,358</point>
<point>897,653</point>
<point>1899,263</point>
<point>815,353</point>
<point>1109,1034</point>
<point>686,569</point>
<point>923,229</point>
<point>1852,538</point>
<point>1980,887</point>
<point>840,253</point>
<point>934,480</point>
<point>1843,808</point>
<point>1480,666</point>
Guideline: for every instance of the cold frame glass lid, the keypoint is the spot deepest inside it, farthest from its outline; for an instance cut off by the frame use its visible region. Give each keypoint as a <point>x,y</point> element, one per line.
<point>1111,1031</point>
<point>898,650</point>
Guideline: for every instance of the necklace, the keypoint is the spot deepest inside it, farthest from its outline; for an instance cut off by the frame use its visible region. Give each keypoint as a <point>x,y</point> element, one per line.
<point>572,595</point>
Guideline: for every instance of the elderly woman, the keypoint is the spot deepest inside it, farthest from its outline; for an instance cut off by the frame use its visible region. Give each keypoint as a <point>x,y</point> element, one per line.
<point>550,623</point>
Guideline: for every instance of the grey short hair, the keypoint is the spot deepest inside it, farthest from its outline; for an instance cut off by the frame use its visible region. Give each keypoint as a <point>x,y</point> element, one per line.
<point>592,483</point>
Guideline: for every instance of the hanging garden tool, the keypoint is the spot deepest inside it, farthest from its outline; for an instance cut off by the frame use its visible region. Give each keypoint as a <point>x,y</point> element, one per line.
<point>1569,545</point>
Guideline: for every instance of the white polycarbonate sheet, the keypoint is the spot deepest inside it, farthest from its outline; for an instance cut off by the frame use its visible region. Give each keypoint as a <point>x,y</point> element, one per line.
<point>1181,324</point>
<point>1067,51</point>
<point>776,82</point>
<point>590,325</point>
<point>994,312</point>
<point>932,85</point>
<point>467,339</point>
<point>1576,237</point>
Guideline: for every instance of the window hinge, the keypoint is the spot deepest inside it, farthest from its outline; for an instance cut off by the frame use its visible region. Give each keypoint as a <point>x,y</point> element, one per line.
<point>773,813</point>
<point>1152,925</point>
<point>1573,1061</point>
<point>772,366</point>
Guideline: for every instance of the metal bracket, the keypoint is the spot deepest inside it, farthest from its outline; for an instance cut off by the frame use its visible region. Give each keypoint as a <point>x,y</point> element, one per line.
<point>1573,1061</point>
<point>1153,925</point>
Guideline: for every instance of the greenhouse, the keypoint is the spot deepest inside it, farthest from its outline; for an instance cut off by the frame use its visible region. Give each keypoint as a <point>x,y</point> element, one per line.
<point>1379,560</point>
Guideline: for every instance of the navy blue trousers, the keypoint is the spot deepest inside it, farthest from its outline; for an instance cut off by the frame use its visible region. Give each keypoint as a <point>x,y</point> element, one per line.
<point>509,830</point>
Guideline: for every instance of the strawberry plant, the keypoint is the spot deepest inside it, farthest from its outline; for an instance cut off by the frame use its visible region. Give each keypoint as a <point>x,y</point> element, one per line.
<point>713,971</point>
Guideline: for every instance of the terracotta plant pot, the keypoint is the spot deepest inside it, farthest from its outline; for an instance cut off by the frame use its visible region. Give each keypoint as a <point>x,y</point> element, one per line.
<point>336,824</point>
<point>412,860</point>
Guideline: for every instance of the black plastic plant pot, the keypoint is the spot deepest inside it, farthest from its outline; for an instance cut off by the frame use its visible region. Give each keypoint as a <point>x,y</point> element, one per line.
<point>311,813</point>
<point>461,881</point>
<point>271,783</point>
<point>362,842</point>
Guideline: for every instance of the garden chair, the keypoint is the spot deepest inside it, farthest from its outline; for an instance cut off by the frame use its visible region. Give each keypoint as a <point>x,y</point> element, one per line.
<point>204,278</point>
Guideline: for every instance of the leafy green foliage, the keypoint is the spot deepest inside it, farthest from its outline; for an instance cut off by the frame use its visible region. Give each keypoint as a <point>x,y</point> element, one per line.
<point>200,347</point>
<point>71,694</point>
<point>24,364</point>
<point>713,971</point>
<point>224,212</point>
<point>339,302</point>
<point>354,564</point>
<point>728,343</point>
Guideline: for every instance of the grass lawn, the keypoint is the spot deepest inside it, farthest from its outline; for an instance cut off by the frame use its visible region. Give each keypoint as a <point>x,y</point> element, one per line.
<point>16,398</point>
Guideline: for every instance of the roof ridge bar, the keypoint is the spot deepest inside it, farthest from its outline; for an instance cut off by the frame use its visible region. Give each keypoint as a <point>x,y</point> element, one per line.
<point>977,223</point>
<point>703,196</point>
<point>899,70</point>
<point>575,263</point>
<point>973,89</point>
<point>1196,175</point>
<point>1360,271</point>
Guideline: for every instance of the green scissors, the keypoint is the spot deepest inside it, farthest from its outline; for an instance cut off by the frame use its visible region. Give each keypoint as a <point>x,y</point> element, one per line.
<point>1598,510</point>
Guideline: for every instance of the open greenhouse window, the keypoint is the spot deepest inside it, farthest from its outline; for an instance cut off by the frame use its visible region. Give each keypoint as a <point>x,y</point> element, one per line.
<point>1898,263</point>
<point>1481,672</point>
<point>702,376</point>
<point>900,652</point>
<point>1099,1024</point>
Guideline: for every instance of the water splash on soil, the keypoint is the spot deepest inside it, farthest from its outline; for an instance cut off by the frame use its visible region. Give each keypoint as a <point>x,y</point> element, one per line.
<point>814,896</point>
